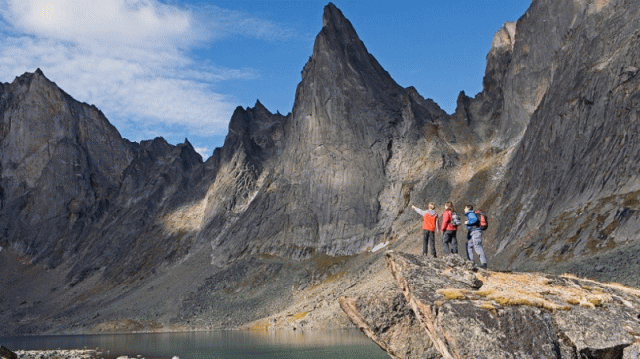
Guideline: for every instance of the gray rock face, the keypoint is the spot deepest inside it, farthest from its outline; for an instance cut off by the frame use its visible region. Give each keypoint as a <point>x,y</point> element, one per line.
<point>67,175</point>
<point>59,159</point>
<point>388,320</point>
<point>632,351</point>
<point>238,176</point>
<point>321,189</point>
<point>137,235</point>
<point>571,188</point>
<point>510,315</point>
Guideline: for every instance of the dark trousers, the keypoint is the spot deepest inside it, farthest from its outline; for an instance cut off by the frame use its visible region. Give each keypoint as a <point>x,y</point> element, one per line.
<point>429,240</point>
<point>449,240</point>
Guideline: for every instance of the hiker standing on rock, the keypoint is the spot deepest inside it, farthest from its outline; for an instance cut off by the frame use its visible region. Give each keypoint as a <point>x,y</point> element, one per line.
<point>429,225</point>
<point>474,236</point>
<point>450,224</point>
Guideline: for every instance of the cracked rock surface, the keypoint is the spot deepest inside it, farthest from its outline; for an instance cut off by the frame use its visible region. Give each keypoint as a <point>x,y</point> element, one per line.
<point>499,315</point>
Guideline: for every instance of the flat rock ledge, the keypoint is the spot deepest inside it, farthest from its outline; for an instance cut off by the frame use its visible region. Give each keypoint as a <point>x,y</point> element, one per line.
<point>448,308</point>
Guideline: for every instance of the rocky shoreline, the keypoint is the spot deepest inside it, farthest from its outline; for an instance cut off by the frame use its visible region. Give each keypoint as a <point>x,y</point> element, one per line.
<point>59,354</point>
<point>6,353</point>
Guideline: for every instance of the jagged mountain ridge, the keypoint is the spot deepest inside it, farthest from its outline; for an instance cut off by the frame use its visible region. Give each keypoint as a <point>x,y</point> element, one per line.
<point>72,177</point>
<point>335,176</point>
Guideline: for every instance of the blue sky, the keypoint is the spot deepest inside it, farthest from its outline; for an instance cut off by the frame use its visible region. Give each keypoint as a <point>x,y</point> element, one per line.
<point>178,68</point>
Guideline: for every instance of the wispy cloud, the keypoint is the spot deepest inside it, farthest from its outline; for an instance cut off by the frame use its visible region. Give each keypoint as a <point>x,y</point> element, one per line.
<point>231,23</point>
<point>131,57</point>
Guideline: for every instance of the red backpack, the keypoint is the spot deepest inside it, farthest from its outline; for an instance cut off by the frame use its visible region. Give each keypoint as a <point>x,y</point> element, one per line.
<point>484,222</point>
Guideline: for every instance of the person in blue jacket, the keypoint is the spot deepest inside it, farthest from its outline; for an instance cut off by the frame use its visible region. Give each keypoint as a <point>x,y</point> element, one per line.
<point>474,236</point>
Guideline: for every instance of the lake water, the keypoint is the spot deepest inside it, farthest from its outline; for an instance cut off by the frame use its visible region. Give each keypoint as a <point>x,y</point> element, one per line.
<point>348,344</point>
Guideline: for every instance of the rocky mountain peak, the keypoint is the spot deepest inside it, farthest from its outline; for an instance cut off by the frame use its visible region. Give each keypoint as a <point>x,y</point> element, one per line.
<point>23,83</point>
<point>505,37</point>
<point>38,113</point>
<point>38,84</point>
<point>338,51</point>
<point>333,17</point>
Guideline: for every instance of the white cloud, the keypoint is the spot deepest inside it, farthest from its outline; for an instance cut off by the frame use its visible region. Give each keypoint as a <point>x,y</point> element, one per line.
<point>205,152</point>
<point>130,57</point>
<point>136,22</point>
<point>129,83</point>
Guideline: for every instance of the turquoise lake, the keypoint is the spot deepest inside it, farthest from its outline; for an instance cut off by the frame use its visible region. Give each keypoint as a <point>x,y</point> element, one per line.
<point>348,344</point>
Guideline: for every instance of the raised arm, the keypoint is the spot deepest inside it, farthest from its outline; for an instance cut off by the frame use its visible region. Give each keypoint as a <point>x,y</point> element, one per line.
<point>419,211</point>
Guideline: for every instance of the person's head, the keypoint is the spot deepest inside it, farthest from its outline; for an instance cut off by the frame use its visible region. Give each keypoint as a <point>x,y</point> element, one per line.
<point>468,208</point>
<point>449,206</point>
<point>432,205</point>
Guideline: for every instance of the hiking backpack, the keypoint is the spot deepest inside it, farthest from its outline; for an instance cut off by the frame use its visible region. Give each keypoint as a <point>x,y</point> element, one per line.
<point>484,222</point>
<point>455,220</point>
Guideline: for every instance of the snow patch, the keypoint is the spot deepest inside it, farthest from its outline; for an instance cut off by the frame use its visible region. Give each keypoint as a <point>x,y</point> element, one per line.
<point>379,246</point>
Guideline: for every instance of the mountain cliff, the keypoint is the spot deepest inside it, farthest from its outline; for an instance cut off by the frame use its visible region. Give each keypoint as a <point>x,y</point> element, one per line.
<point>570,191</point>
<point>292,203</point>
<point>68,176</point>
<point>322,190</point>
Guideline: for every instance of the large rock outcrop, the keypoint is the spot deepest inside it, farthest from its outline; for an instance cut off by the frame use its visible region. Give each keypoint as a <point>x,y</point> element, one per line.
<point>386,317</point>
<point>465,312</point>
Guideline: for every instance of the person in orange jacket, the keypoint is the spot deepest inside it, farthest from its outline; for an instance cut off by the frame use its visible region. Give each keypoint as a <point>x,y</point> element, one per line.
<point>429,225</point>
<point>449,229</point>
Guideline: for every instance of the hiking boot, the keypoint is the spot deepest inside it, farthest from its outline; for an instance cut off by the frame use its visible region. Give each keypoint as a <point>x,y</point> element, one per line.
<point>483,265</point>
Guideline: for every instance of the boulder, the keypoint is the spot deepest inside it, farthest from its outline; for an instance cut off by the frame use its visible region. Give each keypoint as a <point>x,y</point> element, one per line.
<point>632,352</point>
<point>386,318</point>
<point>7,354</point>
